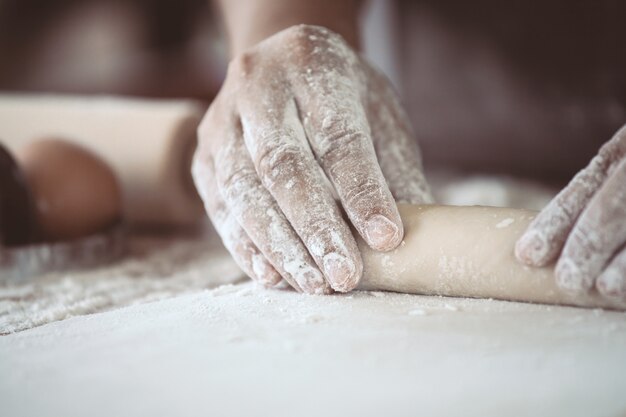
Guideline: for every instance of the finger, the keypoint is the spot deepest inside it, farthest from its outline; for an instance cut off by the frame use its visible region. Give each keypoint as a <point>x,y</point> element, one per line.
<point>258,214</point>
<point>597,235</point>
<point>287,168</point>
<point>337,129</point>
<point>346,154</point>
<point>612,281</point>
<point>546,235</point>
<point>395,144</point>
<point>242,249</point>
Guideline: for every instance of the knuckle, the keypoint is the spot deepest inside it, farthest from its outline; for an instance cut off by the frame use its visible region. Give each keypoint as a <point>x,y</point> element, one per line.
<point>237,180</point>
<point>615,149</point>
<point>242,65</point>
<point>278,160</point>
<point>306,34</point>
<point>339,143</point>
<point>618,168</point>
<point>310,39</point>
<point>583,241</point>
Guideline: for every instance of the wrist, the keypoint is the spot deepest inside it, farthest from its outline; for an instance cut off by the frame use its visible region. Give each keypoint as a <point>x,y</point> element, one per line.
<point>250,22</point>
<point>247,40</point>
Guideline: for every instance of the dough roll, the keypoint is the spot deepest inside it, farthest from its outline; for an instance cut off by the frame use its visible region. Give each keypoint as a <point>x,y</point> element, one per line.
<point>467,252</point>
<point>148,143</point>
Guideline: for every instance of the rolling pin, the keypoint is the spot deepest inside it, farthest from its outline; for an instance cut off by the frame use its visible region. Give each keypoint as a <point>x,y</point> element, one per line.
<point>148,143</point>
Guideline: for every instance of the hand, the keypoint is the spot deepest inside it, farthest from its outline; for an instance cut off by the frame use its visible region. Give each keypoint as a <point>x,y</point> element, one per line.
<point>296,112</point>
<point>586,224</point>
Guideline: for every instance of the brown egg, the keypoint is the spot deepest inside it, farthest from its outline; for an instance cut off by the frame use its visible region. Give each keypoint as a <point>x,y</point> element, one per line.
<point>76,192</point>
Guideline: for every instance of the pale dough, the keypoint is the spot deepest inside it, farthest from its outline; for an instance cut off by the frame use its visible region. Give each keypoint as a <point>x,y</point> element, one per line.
<point>466,252</point>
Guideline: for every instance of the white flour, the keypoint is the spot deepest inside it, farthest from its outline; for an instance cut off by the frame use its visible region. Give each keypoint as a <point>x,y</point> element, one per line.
<point>155,269</point>
<point>240,350</point>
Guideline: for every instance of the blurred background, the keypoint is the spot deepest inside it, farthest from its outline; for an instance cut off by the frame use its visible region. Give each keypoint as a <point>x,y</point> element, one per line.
<point>516,88</point>
<point>155,48</point>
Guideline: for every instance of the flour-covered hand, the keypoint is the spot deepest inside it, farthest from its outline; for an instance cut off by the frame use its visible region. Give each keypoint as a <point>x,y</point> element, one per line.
<point>586,224</point>
<point>297,112</point>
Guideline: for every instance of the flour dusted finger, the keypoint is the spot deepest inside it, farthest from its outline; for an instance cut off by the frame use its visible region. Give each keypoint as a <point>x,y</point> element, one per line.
<point>288,170</point>
<point>259,215</point>
<point>242,249</point>
<point>347,156</point>
<point>612,282</point>
<point>546,235</point>
<point>399,158</point>
<point>598,234</point>
<point>338,131</point>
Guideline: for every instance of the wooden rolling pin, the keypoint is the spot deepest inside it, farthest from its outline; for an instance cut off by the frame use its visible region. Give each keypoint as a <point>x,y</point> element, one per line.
<point>149,144</point>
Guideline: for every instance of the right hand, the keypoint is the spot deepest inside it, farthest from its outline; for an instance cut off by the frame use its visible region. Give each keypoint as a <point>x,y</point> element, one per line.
<point>300,106</point>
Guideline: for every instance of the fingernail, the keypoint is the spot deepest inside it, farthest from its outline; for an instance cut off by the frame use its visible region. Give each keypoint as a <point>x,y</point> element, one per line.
<point>382,233</point>
<point>271,279</point>
<point>311,281</point>
<point>532,248</point>
<point>340,272</point>
<point>570,277</point>
<point>264,271</point>
<point>612,284</point>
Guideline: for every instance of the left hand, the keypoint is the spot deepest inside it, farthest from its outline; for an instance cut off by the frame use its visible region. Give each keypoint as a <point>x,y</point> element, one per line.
<point>586,224</point>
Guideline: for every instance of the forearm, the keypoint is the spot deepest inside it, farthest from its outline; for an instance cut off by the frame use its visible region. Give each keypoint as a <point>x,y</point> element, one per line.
<point>250,21</point>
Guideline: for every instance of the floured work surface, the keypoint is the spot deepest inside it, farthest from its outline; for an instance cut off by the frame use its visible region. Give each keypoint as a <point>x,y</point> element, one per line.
<point>155,268</point>
<point>239,350</point>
